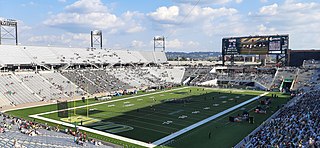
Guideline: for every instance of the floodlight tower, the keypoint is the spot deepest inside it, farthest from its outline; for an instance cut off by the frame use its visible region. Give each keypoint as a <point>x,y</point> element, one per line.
<point>159,43</point>
<point>8,30</point>
<point>96,38</point>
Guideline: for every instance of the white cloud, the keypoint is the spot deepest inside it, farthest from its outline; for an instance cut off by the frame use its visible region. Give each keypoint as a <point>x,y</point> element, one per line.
<point>88,20</point>
<point>133,21</point>
<point>291,14</point>
<point>135,29</point>
<point>87,6</point>
<point>233,25</point>
<point>193,44</point>
<point>238,1</point>
<point>203,1</point>
<point>264,30</point>
<point>70,39</point>
<point>29,4</point>
<point>22,27</point>
<point>298,19</point>
<point>291,5</point>
<point>174,44</point>
<point>201,23</point>
<point>85,15</point>
<point>269,10</point>
<point>179,45</point>
<point>201,29</point>
<point>137,44</point>
<point>183,14</point>
<point>165,13</point>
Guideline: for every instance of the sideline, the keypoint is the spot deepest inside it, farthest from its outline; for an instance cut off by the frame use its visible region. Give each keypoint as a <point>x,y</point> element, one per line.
<point>96,132</point>
<point>193,126</point>
<point>122,99</point>
<point>51,103</point>
<point>141,143</point>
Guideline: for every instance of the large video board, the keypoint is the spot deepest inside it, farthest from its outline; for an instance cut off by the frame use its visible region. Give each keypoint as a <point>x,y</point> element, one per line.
<point>255,45</point>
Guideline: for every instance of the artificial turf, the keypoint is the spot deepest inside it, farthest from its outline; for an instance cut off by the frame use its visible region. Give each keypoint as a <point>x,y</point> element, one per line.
<point>147,115</point>
<point>142,118</point>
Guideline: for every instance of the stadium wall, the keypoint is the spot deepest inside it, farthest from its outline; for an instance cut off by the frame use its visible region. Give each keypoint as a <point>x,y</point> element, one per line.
<point>296,57</point>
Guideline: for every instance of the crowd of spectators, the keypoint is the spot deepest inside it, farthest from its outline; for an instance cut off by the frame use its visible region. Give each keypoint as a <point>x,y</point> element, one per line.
<point>297,125</point>
<point>83,83</point>
<point>116,79</point>
<point>137,77</point>
<point>31,128</point>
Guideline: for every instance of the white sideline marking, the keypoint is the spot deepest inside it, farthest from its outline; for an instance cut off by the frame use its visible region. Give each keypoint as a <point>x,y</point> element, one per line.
<point>117,100</point>
<point>180,132</point>
<point>96,132</point>
<point>141,143</point>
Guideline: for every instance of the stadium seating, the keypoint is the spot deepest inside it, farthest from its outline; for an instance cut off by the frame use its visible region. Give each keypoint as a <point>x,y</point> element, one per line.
<point>149,56</point>
<point>95,81</point>
<point>140,58</point>
<point>126,56</point>
<point>170,74</point>
<point>16,91</point>
<point>200,75</point>
<point>16,132</point>
<point>4,101</point>
<point>62,83</point>
<point>284,73</point>
<point>81,81</point>
<point>60,55</point>
<point>189,71</point>
<point>42,55</point>
<point>132,76</point>
<point>108,82</point>
<point>160,57</point>
<point>40,86</point>
<point>295,126</point>
<point>14,55</point>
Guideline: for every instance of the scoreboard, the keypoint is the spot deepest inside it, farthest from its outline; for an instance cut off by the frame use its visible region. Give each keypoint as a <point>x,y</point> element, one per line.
<point>255,45</point>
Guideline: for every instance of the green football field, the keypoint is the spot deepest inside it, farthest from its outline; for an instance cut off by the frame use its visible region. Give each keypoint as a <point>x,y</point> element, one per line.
<point>152,116</point>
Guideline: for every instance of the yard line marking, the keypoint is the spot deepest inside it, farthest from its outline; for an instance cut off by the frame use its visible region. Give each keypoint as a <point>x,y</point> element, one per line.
<point>193,126</point>
<point>141,143</point>
<point>96,131</point>
<point>136,118</point>
<point>117,100</point>
<point>158,125</point>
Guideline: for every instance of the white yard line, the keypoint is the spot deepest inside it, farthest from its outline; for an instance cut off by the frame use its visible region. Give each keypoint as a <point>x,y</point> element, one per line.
<point>137,142</point>
<point>193,126</point>
<point>117,100</point>
<point>38,105</point>
<point>141,143</point>
<point>96,132</point>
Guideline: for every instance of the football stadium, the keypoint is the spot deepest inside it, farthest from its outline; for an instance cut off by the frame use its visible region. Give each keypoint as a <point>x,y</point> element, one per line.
<point>257,93</point>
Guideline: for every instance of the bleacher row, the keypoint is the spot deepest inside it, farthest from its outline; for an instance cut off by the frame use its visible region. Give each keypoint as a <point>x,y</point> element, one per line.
<point>26,55</point>
<point>15,132</point>
<point>284,73</point>
<point>297,123</point>
<point>27,87</point>
<point>203,75</point>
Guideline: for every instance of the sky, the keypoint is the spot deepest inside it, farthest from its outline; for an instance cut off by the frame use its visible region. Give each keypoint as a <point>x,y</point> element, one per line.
<point>187,25</point>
